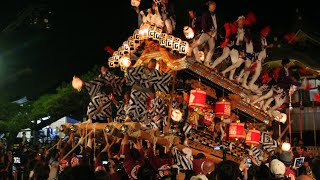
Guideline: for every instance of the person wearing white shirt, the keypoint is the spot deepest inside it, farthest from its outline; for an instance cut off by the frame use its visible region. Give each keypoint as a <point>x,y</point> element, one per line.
<point>209,33</point>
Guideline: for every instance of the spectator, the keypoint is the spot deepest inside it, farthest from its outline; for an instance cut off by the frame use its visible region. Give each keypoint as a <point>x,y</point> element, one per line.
<point>301,151</point>
<point>181,104</point>
<point>286,158</point>
<point>198,162</point>
<point>278,169</point>
<point>41,171</point>
<point>133,158</point>
<point>102,175</point>
<point>82,172</point>
<point>227,170</point>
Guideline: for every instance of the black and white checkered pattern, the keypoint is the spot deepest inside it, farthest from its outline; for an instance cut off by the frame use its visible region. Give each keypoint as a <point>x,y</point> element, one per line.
<point>181,160</point>
<point>144,78</point>
<point>94,86</point>
<point>157,107</point>
<point>121,112</point>
<point>100,107</point>
<point>137,108</point>
<point>268,144</point>
<point>187,128</point>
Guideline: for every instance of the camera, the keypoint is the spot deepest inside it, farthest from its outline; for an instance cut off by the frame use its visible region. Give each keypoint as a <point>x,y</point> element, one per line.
<point>16,160</point>
<point>248,162</point>
<point>105,162</point>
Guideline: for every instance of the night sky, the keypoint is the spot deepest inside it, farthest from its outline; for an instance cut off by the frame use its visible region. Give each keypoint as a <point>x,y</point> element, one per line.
<point>34,61</point>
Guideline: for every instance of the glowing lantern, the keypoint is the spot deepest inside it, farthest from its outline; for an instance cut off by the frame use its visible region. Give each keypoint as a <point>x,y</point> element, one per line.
<point>236,130</point>
<point>223,109</point>
<point>197,98</point>
<point>111,62</point>
<point>131,43</point>
<point>77,83</point>
<point>143,32</point>
<point>121,51</point>
<point>169,41</point>
<point>285,146</point>
<point>135,3</point>
<point>253,137</point>
<point>136,36</point>
<point>163,39</point>
<point>151,32</point>
<point>208,117</point>
<point>176,44</point>
<point>126,47</point>
<point>188,32</point>
<point>115,60</point>
<point>157,33</point>
<point>125,61</point>
<point>176,115</point>
<point>184,47</point>
<point>201,55</point>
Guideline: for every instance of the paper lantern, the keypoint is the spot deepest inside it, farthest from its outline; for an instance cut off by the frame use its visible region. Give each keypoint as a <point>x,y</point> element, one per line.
<point>131,43</point>
<point>176,115</point>
<point>125,61</point>
<point>121,51</point>
<point>176,44</point>
<point>208,117</point>
<point>188,32</point>
<point>136,36</point>
<point>126,47</point>
<point>169,41</point>
<point>144,30</point>
<point>236,130</point>
<point>223,109</point>
<point>157,33</point>
<point>253,137</point>
<point>151,31</point>
<point>135,3</point>
<point>286,146</point>
<point>111,62</point>
<point>77,83</point>
<point>115,61</point>
<point>184,47</point>
<point>197,98</point>
<point>163,39</point>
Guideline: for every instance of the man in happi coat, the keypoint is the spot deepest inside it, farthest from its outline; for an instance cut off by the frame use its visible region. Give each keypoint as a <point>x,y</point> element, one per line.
<point>141,78</point>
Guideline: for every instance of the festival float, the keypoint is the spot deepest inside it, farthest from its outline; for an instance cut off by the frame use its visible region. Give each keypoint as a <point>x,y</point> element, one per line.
<point>241,124</point>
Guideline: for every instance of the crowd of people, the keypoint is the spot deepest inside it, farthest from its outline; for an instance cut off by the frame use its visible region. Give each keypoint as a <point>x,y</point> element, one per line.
<point>121,158</point>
